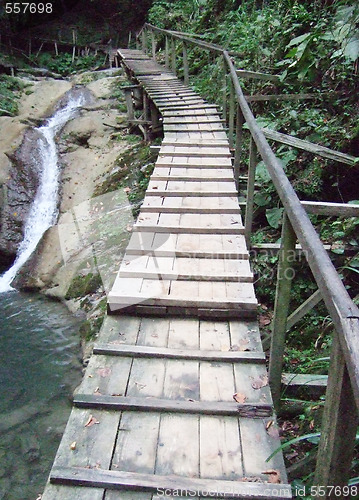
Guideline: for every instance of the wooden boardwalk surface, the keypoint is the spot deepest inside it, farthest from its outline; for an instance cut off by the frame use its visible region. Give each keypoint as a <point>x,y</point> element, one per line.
<point>177,404</point>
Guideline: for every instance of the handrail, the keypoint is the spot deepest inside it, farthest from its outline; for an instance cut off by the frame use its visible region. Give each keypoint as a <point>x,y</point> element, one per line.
<point>344,313</point>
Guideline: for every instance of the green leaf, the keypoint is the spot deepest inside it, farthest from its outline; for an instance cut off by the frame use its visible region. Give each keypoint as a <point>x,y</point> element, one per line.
<point>274,217</point>
<point>306,437</point>
<point>262,199</point>
<point>297,40</point>
<point>262,173</point>
<point>351,50</point>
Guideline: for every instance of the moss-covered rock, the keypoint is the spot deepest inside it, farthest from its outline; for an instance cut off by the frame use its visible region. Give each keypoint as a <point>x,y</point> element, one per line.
<point>83,285</point>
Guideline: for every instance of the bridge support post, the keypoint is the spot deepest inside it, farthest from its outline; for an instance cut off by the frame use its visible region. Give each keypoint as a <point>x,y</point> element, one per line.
<point>144,41</point>
<point>282,299</point>
<point>167,52</point>
<point>339,427</point>
<point>185,64</point>
<point>173,56</point>
<point>250,192</point>
<point>153,45</point>
<point>238,145</point>
<point>224,98</point>
<point>232,107</point>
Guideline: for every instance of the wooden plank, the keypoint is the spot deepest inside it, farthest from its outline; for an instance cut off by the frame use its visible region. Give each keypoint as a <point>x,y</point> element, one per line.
<point>182,245</point>
<point>186,269</point>
<point>254,436</point>
<point>220,448</point>
<point>168,353</point>
<point>257,76</point>
<point>309,146</point>
<point>119,403</point>
<point>147,482</point>
<point>186,228</point>
<point>288,97</point>
<point>330,209</point>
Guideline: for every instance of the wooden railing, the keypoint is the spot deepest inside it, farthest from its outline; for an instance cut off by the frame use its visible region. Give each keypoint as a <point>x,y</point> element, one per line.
<point>340,417</point>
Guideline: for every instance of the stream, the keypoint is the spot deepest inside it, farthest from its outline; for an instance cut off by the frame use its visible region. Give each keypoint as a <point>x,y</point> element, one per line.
<point>39,340</point>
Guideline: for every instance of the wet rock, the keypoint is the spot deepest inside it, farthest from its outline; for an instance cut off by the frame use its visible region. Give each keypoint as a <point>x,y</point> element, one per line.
<point>29,445</point>
<point>4,487</point>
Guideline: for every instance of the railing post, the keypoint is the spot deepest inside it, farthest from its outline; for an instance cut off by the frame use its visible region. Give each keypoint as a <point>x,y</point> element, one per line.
<point>129,104</point>
<point>239,141</point>
<point>144,41</point>
<point>250,191</point>
<point>232,107</point>
<point>282,298</point>
<point>167,52</point>
<point>339,426</point>
<point>173,56</point>
<point>224,98</point>
<point>153,39</point>
<point>185,64</point>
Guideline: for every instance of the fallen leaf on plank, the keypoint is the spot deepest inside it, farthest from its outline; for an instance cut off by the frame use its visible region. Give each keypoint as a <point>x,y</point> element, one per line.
<point>103,372</point>
<point>239,398</point>
<point>91,421</point>
<point>274,476</point>
<point>260,382</point>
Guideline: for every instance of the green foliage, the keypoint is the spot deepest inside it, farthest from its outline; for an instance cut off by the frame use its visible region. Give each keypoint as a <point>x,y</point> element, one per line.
<point>83,285</point>
<point>10,92</point>
<point>63,64</point>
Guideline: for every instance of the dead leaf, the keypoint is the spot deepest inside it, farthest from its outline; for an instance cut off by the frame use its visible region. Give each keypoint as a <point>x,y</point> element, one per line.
<point>274,476</point>
<point>91,421</point>
<point>264,320</point>
<point>97,391</point>
<point>73,446</point>
<point>273,432</point>
<point>127,189</point>
<point>260,382</point>
<point>269,424</point>
<point>103,372</point>
<point>239,398</point>
<point>117,395</point>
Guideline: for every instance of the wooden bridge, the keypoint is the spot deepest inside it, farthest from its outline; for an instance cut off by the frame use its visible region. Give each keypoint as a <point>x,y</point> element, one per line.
<point>175,400</point>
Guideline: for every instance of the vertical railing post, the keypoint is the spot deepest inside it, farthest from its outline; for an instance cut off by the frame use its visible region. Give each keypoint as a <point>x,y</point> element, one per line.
<point>167,52</point>
<point>153,39</point>
<point>339,427</point>
<point>250,191</point>
<point>224,98</point>
<point>281,307</point>
<point>185,64</point>
<point>239,142</point>
<point>232,107</point>
<point>173,56</point>
<point>144,41</point>
<point>138,43</point>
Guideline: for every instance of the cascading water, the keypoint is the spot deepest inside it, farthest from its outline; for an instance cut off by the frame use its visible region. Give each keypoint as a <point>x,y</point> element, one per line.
<point>43,211</point>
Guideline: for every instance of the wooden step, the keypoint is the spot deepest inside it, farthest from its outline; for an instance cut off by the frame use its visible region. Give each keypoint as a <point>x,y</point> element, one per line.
<point>190,223</point>
<point>197,162</point>
<point>133,481</point>
<point>125,403</point>
<point>236,299</point>
<point>188,245</point>
<point>207,205</point>
<point>185,268</point>
<point>139,351</point>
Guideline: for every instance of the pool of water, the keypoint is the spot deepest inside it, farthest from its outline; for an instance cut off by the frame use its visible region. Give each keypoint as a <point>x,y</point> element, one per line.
<point>39,369</point>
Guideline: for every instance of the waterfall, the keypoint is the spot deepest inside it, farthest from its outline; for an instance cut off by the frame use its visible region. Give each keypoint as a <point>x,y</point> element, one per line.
<point>43,210</point>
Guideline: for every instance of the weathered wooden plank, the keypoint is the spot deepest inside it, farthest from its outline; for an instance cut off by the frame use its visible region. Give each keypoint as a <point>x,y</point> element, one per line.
<point>309,146</point>
<point>187,245</point>
<point>119,403</point>
<point>220,448</point>
<point>326,208</point>
<point>147,482</point>
<point>178,452</point>
<point>112,349</point>
<point>257,76</point>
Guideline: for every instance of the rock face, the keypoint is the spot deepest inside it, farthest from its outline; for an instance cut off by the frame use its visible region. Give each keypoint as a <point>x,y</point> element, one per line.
<point>18,164</point>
